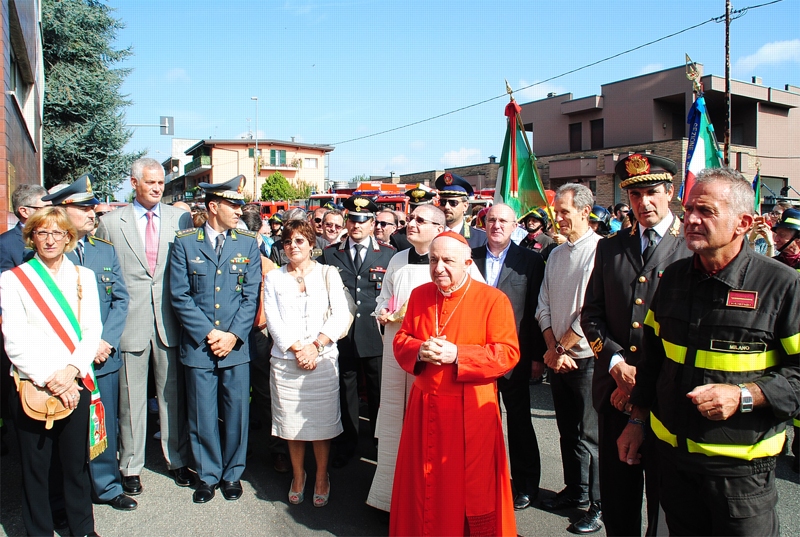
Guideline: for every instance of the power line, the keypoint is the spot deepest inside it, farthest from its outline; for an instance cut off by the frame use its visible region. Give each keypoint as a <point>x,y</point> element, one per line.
<point>740,12</point>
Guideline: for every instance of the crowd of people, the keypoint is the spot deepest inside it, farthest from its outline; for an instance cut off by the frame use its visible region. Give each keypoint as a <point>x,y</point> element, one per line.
<point>670,345</point>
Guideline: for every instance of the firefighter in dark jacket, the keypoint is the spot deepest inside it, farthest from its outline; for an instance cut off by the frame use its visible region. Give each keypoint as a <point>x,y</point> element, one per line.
<point>722,375</point>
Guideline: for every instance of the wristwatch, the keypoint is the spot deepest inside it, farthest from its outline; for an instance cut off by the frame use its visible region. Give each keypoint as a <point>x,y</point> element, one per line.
<point>746,403</point>
<point>320,347</point>
<point>560,349</point>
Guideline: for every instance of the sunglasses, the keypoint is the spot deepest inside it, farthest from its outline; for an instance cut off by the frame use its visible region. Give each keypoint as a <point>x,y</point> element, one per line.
<point>419,220</point>
<point>452,203</point>
<point>299,241</point>
<point>100,213</point>
<point>318,220</point>
<point>334,226</point>
<point>401,223</point>
<point>384,224</point>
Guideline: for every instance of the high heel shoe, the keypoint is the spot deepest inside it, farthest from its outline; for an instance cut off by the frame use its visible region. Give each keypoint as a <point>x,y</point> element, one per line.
<point>321,500</point>
<point>297,497</point>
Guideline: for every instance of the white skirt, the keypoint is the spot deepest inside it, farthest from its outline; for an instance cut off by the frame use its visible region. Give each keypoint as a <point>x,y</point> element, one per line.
<point>305,404</point>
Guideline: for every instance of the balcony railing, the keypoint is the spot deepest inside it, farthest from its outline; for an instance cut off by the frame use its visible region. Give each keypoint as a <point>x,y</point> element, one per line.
<point>197,162</point>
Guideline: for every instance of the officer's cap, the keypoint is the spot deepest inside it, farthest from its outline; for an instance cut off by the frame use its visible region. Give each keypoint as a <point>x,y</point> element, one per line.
<point>78,193</point>
<point>232,191</point>
<point>420,195</point>
<point>639,170</point>
<point>360,208</point>
<point>450,185</point>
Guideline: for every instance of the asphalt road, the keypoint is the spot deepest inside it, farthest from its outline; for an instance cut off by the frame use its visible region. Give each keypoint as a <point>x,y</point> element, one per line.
<point>165,509</point>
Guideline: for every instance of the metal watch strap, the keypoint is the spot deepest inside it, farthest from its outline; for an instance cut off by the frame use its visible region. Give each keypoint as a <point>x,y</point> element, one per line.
<point>746,402</point>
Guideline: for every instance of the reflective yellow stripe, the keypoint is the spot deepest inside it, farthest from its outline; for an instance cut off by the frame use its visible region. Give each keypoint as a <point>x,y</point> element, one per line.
<point>676,353</point>
<point>736,363</point>
<point>794,221</point>
<point>791,344</point>
<point>796,422</point>
<point>768,447</point>
<point>661,432</point>
<point>650,321</point>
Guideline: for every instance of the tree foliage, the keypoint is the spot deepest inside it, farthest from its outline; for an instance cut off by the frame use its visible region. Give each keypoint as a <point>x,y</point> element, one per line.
<point>83,120</point>
<point>277,187</point>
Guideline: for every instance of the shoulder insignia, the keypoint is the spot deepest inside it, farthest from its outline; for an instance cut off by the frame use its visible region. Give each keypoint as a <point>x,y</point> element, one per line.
<point>612,235</point>
<point>385,244</point>
<point>186,232</point>
<point>634,229</point>
<point>92,239</point>
<point>247,233</point>
<point>333,245</point>
<point>675,229</point>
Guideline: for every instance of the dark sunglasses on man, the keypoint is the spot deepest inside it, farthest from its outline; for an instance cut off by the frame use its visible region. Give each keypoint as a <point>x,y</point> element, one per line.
<point>384,224</point>
<point>451,203</point>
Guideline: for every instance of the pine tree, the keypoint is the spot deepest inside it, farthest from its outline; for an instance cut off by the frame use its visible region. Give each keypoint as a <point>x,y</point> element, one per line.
<point>83,122</point>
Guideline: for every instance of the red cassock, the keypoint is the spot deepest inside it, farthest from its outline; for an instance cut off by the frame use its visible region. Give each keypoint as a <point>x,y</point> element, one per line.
<point>452,477</point>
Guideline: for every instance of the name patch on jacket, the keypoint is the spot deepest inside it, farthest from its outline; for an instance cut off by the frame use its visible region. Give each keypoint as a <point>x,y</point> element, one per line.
<point>738,347</point>
<point>742,299</point>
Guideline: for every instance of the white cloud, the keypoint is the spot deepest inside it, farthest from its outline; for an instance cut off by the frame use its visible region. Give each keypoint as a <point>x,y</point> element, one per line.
<point>650,68</point>
<point>177,75</point>
<point>536,92</point>
<point>770,54</point>
<point>461,157</point>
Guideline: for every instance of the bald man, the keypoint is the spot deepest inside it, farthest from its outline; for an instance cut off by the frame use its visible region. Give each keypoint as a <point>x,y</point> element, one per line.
<point>517,272</point>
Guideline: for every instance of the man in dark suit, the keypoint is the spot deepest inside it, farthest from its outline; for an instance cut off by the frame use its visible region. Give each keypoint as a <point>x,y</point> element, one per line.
<point>454,194</point>
<point>98,255</point>
<point>215,272</point>
<point>518,273</point>
<point>24,201</point>
<point>143,233</point>
<point>627,269</point>
<point>362,262</point>
<point>420,195</point>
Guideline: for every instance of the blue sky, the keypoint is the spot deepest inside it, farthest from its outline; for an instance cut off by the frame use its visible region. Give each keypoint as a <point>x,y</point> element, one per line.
<point>329,71</point>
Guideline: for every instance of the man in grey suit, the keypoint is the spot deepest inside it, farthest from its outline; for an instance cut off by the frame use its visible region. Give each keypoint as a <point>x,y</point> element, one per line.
<point>142,234</point>
<point>215,272</point>
<point>518,272</point>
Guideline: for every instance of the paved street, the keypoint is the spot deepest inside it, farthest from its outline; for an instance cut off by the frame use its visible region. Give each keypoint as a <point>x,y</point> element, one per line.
<point>165,509</point>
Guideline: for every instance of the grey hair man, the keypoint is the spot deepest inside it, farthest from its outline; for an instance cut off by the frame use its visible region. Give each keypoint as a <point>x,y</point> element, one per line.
<point>569,356</point>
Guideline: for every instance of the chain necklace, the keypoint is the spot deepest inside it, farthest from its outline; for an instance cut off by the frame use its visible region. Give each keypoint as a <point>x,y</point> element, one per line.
<point>439,329</point>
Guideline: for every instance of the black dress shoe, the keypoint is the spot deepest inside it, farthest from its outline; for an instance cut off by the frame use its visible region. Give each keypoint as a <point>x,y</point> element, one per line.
<point>280,463</point>
<point>521,501</point>
<point>590,522</point>
<point>562,500</point>
<point>131,485</point>
<point>231,490</point>
<point>183,476</point>
<point>123,503</point>
<point>204,493</point>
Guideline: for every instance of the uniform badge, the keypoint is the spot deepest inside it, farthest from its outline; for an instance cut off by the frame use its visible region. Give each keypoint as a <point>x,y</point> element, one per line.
<point>448,179</point>
<point>742,299</point>
<point>597,346</point>
<point>637,165</point>
<point>738,347</point>
<point>360,204</point>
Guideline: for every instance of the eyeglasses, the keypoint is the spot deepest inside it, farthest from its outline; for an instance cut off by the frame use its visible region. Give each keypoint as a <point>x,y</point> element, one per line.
<point>299,241</point>
<point>401,223</point>
<point>318,220</point>
<point>452,203</point>
<point>34,207</point>
<point>100,213</point>
<point>384,224</point>
<point>57,235</point>
<point>333,225</point>
<point>419,220</point>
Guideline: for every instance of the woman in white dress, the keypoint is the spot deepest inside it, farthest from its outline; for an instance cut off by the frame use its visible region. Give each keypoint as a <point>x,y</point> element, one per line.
<point>407,270</point>
<point>306,313</point>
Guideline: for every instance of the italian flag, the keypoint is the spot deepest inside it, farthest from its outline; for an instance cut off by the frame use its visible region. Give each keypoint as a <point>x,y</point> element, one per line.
<point>703,151</point>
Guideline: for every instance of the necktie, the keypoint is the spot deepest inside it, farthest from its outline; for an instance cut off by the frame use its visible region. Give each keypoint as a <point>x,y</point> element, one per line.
<point>357,257</point>
<point>80,252</point>
<point>650,235</point>
<point>220,242</point>
<point>151,241</point>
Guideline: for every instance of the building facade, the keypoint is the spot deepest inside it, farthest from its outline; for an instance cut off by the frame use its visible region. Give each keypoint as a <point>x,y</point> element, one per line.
<point>22,71</point>
<point>581,140</point>
<point>217,161</point>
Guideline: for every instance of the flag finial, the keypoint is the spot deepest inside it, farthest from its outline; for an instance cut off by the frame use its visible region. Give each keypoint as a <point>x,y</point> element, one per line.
<point>508,89</point>
<point>693,74</point>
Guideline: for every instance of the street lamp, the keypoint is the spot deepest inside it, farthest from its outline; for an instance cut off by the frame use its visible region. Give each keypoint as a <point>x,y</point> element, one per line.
<point>256,174</point>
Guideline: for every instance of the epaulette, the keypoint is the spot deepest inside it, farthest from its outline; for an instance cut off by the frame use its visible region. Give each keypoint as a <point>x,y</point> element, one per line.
<point>333,245</point>
<point>612,235</point>
<point>92,238</point>
<point>186,232</point>
<point>382,243</point>
<point>247,233</point>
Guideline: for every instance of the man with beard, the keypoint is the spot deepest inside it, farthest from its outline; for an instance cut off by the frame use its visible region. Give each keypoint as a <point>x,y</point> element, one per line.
<point>418,196</point>
<point>454,194</point>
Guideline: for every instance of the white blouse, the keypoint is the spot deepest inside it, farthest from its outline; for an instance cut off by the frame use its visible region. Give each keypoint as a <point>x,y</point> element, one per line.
<point>294,316</point>
<point>31,343</point>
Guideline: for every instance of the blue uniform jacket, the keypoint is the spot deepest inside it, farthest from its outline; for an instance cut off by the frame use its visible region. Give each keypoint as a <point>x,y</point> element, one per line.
<point>101,258</point>
<point>208,293</point>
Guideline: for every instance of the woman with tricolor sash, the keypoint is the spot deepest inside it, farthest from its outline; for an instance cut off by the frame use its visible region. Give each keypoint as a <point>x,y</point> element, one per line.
<point>51,325</point>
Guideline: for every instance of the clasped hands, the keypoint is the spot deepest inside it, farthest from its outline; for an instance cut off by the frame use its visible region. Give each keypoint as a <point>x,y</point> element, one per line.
<point>62,384</point>
<point>221,343</point>
<point>560,363</point>
<point>438,351</point>
<point>306,355</point>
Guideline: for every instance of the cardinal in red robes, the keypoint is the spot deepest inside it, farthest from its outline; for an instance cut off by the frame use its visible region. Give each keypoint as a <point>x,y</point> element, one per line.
<point>457,338</point>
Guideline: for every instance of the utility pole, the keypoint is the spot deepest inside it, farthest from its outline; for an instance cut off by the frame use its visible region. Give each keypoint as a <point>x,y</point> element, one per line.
<point>256,156</point>
<point>726,148</point>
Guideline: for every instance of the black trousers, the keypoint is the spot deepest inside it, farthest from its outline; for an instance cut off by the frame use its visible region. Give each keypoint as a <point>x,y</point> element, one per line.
<point>347,442</point>
<point>70,438</point>
<point>621,485</point>
<point>577,426</point>
<point>523,447</point>
<point>700,504</point>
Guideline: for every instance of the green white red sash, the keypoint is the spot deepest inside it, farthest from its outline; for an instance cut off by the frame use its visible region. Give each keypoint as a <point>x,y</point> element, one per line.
<point>59,315</point>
